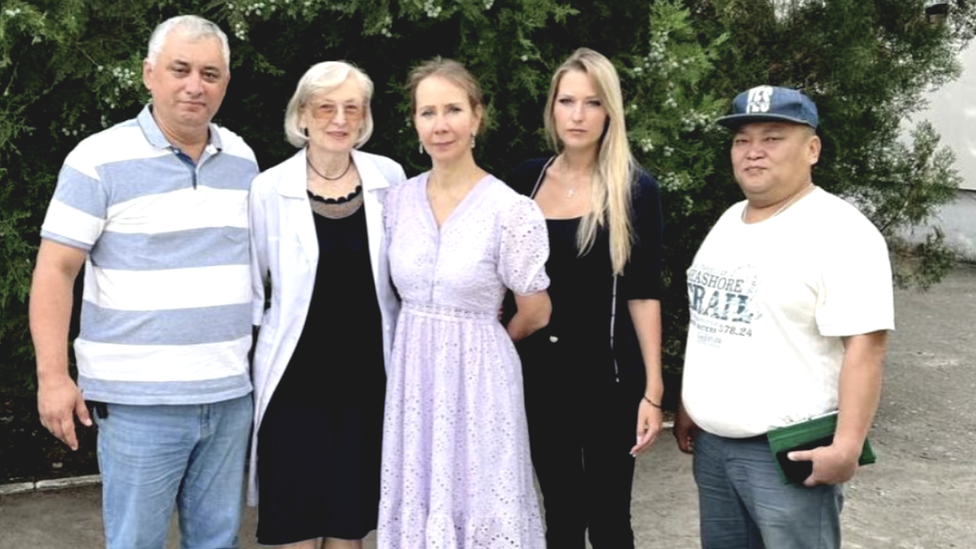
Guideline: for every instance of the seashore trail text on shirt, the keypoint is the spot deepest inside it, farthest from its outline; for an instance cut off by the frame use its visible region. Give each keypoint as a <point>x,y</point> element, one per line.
<point>722,302</point>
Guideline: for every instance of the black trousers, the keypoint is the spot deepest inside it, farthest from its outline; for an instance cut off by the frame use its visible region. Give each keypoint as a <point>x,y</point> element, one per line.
<point>582,425</point>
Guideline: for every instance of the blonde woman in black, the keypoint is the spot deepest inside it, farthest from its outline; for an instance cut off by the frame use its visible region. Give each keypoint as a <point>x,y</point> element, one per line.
<point>593,383</point>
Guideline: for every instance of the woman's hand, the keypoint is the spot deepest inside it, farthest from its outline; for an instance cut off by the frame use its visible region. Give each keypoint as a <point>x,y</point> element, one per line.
<point>649,420</point>
<point>531,314</point>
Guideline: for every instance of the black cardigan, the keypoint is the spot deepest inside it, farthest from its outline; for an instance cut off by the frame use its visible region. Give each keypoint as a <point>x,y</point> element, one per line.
<point>642,274</point>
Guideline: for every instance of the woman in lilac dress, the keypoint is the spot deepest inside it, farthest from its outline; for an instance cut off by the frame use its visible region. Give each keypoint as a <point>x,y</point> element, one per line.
<point>456,467</point>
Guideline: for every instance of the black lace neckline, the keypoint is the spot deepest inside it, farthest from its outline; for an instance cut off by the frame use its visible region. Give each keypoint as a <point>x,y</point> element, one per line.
<point>340,200</point>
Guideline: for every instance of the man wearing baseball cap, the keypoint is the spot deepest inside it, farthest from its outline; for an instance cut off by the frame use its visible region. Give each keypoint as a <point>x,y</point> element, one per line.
<point>791,301</point>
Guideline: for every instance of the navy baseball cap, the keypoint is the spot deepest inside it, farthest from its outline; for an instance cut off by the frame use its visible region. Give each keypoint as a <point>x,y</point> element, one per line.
<point>771,104</point>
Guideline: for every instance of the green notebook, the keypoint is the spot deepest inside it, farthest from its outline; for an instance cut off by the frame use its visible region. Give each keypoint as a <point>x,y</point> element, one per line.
<point>805,435</point>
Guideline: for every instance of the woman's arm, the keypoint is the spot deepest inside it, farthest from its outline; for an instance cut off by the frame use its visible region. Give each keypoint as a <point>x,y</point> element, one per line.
<point>646,316</point>
<point>642,291</point>
<point>531,315</point>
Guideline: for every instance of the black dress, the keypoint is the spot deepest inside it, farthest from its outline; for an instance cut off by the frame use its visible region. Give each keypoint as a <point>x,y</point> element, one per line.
<point>319,445</point>
<point>584,374</point>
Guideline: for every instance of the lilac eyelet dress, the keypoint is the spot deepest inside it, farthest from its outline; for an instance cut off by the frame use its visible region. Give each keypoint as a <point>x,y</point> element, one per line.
<point>456,467</point>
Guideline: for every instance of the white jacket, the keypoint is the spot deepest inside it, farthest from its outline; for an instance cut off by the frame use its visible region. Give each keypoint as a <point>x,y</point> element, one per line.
<point>280,212</point>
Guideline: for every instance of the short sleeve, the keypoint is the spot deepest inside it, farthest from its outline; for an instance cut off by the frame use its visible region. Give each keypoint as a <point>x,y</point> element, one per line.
<point>77,214</point>
<point>856,295</point>
<point>524,248</point>
<point>642,274</point>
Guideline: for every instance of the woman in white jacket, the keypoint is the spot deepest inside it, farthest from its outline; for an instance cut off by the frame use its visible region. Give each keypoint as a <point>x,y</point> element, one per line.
<point>319,378</point>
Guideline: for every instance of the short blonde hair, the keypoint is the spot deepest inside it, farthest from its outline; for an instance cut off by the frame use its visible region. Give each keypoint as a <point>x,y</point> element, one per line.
<point>453,72</point>
<point>616,167</point>
<point>323,78</point>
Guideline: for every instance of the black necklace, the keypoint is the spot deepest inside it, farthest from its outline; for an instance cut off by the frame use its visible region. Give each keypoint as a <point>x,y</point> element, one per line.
<point>322,175</point>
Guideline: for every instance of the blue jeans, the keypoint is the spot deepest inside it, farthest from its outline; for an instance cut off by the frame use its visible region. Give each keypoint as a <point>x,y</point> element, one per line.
<point>155,458</point>
<point>743,503</point>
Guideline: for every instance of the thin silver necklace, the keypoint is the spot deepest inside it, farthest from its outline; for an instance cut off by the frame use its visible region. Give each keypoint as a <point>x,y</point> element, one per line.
<point>571,191</point>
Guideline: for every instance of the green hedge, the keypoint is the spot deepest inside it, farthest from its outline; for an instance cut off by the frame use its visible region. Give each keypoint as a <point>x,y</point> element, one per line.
<point>69,68</point>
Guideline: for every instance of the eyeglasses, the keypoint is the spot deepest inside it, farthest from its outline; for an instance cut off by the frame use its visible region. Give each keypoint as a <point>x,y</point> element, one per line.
<point>352,112</point>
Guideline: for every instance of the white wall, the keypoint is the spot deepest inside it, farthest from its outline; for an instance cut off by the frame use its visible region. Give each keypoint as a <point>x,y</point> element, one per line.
<point>952,110</point>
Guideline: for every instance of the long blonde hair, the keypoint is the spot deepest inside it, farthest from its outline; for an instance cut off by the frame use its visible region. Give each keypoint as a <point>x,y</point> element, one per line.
<point>615,169</point>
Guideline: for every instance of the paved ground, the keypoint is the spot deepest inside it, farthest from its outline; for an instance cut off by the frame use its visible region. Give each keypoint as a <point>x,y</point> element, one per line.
<point>920,495</point>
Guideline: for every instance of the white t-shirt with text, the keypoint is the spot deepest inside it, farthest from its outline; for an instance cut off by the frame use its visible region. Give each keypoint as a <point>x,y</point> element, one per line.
<point>770,303</point>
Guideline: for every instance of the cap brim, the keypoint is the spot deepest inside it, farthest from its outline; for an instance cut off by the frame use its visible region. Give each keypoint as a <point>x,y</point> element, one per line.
<point>733,121</point>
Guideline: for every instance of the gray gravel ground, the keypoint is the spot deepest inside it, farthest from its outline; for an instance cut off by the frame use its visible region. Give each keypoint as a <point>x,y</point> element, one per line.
<point>920,494</point>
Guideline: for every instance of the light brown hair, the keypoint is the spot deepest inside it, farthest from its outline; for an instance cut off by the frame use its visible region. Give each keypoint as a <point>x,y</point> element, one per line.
<point>453,72</point>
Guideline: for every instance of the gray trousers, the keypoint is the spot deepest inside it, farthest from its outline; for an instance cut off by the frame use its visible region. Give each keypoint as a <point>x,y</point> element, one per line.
<point>744,505</point>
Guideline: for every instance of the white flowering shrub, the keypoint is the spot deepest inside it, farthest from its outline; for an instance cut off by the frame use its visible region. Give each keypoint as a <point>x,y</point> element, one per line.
<point>69,68</point>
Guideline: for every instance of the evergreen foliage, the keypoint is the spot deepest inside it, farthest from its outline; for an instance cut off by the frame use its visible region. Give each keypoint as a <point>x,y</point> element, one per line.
<point>69,68</point>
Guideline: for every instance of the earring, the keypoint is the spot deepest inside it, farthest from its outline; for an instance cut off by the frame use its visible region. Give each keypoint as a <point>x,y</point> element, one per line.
<point>472,140</point>
<point>420,149</point>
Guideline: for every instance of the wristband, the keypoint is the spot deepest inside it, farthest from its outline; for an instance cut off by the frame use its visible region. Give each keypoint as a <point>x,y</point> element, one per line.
<point>652,403</point>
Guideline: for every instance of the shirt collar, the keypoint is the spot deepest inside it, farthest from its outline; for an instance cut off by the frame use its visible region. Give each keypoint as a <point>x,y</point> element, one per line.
<point>157,138</point>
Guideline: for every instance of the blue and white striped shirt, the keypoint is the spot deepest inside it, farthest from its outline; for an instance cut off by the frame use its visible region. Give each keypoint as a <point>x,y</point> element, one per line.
<point>166,311</point>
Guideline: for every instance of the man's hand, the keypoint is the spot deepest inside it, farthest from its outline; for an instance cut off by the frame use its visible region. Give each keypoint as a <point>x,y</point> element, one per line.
<point>685,431</point>
<point>58,402</point>
<point>858,396</point>
<point>51,299</point>
<point>831,464</point>
<point>859,392</point>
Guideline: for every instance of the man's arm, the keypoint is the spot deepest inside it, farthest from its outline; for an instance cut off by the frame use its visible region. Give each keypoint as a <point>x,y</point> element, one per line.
<point>58,397</point>
<point>685,430</point>
<point>858,396</point>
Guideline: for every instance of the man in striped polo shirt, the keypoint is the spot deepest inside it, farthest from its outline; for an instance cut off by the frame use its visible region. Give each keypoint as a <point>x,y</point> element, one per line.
<point>155,209</point>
